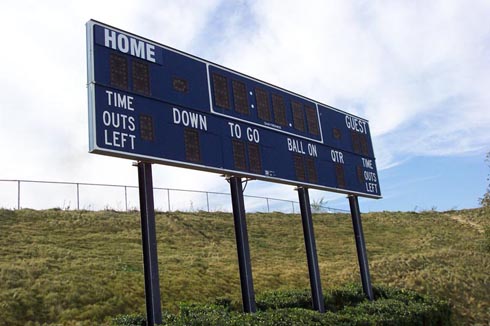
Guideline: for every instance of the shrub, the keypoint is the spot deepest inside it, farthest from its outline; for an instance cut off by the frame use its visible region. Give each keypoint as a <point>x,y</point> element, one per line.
<point>345,306</point>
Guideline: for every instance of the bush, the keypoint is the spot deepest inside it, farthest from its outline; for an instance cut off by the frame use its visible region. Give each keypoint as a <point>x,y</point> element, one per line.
<point>345,306</point>
<point>284,299</point>
<point>129,320</point>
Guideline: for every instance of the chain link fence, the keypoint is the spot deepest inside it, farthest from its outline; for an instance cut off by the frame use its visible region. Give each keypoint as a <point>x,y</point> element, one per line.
<point>37,194</point>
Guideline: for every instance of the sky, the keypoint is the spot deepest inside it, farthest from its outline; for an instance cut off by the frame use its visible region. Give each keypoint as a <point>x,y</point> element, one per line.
<point>417,70</point>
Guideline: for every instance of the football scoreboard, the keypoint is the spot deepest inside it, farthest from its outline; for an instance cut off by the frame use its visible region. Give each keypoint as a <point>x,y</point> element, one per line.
<point>153,103</point>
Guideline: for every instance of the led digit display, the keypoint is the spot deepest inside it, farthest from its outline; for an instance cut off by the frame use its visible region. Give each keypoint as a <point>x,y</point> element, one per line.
<point>240,97</point>
<point>263,107</point>
<point>239,155</point>
<point>279,108</point>
<point>119,71</point>
<point>220,85</point>
<point>180,85</point>
<point>298,116</point>
<point>311,169</point>
<point>146,128</point>
<point>192,148</point>
<point>254,158</point>
<point>312,120</point>
<point>364,145</point>
<point>299,167</point>
<point>356,142</point>
<point>141,77</point>
<point>360,175</point>
<point>337,134</point>
<point>339,172</point>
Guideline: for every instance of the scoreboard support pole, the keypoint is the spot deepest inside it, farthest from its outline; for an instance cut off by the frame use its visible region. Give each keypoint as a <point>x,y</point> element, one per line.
<point>361,247</point>
<point>243,249</point>
<point>148,235</point>
<point>311,255</point>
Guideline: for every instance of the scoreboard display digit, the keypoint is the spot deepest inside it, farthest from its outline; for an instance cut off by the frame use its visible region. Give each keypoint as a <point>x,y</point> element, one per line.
<point>153,103</point>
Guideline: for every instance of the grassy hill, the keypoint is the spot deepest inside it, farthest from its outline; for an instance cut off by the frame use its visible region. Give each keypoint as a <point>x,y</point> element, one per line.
<point>83,268</point>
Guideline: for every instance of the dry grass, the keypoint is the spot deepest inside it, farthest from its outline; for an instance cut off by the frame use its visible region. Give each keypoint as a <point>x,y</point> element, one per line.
<point>81,268</point>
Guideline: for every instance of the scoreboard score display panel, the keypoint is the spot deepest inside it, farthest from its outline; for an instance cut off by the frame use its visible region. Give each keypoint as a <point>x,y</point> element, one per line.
<point>153,103</point>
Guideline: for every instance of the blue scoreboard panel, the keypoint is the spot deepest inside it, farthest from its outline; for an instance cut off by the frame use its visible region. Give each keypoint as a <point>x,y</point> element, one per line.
<point>153,103</point>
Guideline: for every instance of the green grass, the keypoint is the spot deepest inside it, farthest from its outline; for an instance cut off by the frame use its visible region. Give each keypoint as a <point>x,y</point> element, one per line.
<point>84,268</point>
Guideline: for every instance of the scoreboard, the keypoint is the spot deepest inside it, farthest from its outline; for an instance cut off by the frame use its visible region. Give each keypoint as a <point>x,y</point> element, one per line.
<point>153,103</point>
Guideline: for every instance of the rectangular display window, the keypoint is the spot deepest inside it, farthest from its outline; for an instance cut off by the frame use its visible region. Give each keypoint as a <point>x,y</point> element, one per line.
<point>192,148</point>
<point>146,128</point>
<point>220,87</point>
<point>298,116</point>
<point>279,109</point>
<point>364,145</point>
<point>311,169</point>
<point>118,71</point>
<point>339,172</point>
<point>254,158</point>
<point>299,167</point>
<point>180,85</point>
<point>141,77</point>
<point>263,107</point>
<point>239,155</point>
<point>356,142</point>
<point>312,120</point>
<point>240,97</point>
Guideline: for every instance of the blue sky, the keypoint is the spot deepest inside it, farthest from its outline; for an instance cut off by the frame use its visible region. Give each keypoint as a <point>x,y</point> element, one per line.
<point>418,71</point>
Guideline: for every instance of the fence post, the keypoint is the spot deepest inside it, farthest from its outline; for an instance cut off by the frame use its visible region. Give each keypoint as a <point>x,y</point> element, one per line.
<point>18,194</point>
<point>207,200</point>
<point>168,199</point>
<point>78,196</point>
<point>268,208</point>
<point>292,204</point>
<point>126,197</point>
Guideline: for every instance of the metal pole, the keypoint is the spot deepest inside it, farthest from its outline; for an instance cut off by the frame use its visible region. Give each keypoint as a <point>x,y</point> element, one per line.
<point>241,234</point>
<point>309,236</point>
<point>268,208</point>
<point>361,247</point>
<point>292,204</point>
<point>78,196</point>
<point>126,197</point>
<point>207,200</point>
<point>18,194</point>
<point>168,199</point>
<point>148,233</point>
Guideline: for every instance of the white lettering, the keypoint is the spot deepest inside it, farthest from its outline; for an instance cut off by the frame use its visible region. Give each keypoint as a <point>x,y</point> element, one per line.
<point>371,187</point>
<point>370,176</point>
<point>253,135</point>
<point>120,100</point>
<point>203,122</point>
<point>235,130</point>
<point>337,156</point>
<point>118,120</point>
<point>137,48</point>
<point>106,118</point>
<point>194,120</point>
<point>123,43</point>
<point>150,52</point>
<point>312,150</point>
<point>295,145</point>
<point>132,126</point>
<point>110,38</point>
<point>367,163</point>
<point>129,45</point>
<point>356,124</point>
<point>118,139</point>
